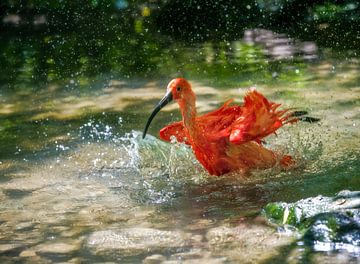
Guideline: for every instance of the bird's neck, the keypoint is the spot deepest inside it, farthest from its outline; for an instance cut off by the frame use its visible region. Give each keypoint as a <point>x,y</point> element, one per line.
<point>188,111</point>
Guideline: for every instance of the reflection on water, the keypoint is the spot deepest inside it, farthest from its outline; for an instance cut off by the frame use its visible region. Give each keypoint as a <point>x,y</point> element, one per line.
<point>78,184</point>
<point>95,191</point>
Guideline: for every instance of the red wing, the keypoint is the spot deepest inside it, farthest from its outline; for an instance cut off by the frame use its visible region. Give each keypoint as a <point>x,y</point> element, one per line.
<point>259,119</point>
<point>175,129</point>
<point>217,124</point>
<point>256,119</point>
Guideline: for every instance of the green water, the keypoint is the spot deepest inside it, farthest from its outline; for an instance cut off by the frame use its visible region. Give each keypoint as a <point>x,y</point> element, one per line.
<point>74,164</point>
<point>78,184</point>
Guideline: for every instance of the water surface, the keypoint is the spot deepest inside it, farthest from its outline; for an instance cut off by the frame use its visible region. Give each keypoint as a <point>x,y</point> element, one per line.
<point>78,184</point>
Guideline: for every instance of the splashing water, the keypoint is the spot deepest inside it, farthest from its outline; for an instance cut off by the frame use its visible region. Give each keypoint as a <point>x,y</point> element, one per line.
<point>156,171</point>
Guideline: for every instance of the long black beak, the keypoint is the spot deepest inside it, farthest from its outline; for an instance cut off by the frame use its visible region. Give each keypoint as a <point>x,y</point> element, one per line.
<point>164,101</point>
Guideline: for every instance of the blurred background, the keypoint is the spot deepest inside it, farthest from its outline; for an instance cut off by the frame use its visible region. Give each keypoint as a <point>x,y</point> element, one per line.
<point>45,41</point>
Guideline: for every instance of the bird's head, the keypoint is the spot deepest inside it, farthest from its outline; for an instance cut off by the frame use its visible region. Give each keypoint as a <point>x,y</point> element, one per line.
<point>178,89</point>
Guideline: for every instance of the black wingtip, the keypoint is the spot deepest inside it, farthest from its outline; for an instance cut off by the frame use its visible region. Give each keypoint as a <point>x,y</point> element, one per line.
<point>301,116</point>
<point>299,113</point>
<point>309,119</point>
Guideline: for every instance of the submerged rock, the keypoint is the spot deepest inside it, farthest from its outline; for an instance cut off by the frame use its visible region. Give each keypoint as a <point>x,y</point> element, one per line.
<point>28,253</point>
<point>333,231</point>
<point>246,243</point>
<point>154,259</point>
<point>134,241</point>
<point>9,247</point>
<point>58,248</point>
<point>295,213</point>
<point>327,223</point>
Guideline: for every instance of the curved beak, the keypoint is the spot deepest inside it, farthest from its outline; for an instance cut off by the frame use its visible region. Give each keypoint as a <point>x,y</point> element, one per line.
<point>164,101</point>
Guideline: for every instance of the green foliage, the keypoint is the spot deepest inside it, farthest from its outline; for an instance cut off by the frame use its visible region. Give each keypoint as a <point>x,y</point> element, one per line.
<point>54,40</point>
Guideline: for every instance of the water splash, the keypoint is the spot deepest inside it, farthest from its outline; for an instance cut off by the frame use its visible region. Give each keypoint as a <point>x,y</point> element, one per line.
<point>95,131</point>
<point>164,168</point>
<point>152,170</point>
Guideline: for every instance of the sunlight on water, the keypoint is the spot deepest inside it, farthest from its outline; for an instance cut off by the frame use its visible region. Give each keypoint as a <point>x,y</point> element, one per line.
<point>78,79</point>
<point>112,181</point>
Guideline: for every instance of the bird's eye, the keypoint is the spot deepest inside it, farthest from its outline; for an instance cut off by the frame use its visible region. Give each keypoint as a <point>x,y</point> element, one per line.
<point>178,88</point>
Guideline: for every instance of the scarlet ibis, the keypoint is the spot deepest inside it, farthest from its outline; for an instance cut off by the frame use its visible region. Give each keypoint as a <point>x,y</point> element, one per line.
<point>231,137</point>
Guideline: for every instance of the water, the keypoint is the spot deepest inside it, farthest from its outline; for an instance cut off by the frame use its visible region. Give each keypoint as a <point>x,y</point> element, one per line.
<point>78,81</point>
<point>78,184</point>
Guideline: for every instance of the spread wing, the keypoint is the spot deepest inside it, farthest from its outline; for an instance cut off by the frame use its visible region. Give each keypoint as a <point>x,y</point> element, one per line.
<point>259,118</point>
<point>177,130</point>
<point>254,120</point>
<point>215,124</point>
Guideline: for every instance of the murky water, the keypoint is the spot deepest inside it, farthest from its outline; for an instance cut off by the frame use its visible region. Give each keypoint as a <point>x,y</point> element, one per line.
<point>78,184</point>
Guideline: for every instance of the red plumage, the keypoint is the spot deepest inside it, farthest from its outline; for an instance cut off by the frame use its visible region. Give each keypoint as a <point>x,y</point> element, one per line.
<point>229,138</point>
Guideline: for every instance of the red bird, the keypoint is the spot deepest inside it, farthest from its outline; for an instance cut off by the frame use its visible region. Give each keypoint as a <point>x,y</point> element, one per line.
<point>229,138</point>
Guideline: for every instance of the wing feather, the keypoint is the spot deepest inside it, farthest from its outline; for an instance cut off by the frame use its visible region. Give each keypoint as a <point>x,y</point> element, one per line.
<point>177,130</point>
<point>259,118</point>
<point>215,124</point>
<point>254,120</point>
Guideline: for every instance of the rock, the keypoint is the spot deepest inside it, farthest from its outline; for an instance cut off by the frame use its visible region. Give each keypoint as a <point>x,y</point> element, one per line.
<point>24,226</point>
<point>3,197</point>
<point>221,235</point>
<point>197,261</point>
<point>154,259</point>
<point>75,261</point>
<point>339,258</point>
<point>333,231</point>
<point>295,213</point>
<point>328,223</point>
<point>199,224</point>
<point>197,239</point>
<point>27,253</point>
<point>193,254</point>
<point>57,248</point>
<point>8,247</point>
<point>134,241</point>
<point>246,243</point>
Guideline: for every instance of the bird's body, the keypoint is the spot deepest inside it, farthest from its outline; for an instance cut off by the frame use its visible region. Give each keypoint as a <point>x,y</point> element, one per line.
<point>230,138</point>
